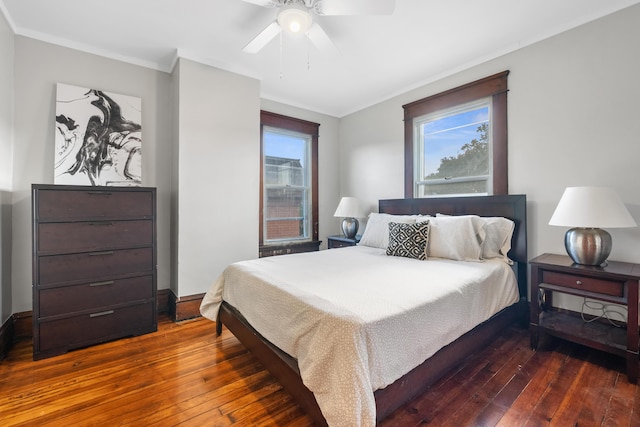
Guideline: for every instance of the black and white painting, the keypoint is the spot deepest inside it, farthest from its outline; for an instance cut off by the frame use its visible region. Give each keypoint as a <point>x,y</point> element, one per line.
<point>98,138</point>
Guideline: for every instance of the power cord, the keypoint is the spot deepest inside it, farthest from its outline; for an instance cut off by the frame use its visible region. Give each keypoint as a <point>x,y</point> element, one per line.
<point>606,310</point>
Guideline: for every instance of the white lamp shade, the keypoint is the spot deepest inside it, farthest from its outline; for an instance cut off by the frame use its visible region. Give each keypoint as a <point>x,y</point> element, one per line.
<point>349,207</point>
<point>591,207</point>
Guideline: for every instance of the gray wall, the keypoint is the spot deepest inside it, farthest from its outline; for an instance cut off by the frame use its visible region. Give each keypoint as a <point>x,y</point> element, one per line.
<point>6,165</point>
<point>574,119</point>
<point>218,172</point>
<point>38,67</point>
<point>200,149</point>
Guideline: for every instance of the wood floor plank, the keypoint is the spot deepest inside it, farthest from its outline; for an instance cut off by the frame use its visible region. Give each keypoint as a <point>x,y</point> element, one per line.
<point>561,383</point>
<point>183,375</point>
<point>600,390</point>
<point>617,413</point>
<point>541,374</point>
<point>479,409</point>
<point>527,369</point>
<point>451,389</point>
<point>576,398</point>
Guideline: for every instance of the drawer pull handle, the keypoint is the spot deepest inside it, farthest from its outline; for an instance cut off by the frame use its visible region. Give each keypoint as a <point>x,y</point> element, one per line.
<point>101,223</point>
<point>107,282</point>
<point>579,282</point>
<point>100,253</point>
<point>102,313</point>
<point>98,193</point>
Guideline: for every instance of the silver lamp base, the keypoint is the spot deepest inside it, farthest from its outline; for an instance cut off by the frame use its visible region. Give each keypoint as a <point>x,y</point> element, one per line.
<point>588,246</point>
<point>350,227</point>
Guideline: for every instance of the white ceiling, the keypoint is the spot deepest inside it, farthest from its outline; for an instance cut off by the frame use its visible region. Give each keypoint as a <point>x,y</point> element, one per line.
<point>380,56</point>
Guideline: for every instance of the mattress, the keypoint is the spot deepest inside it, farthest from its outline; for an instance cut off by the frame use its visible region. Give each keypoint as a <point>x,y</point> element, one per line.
<point>356,319</point>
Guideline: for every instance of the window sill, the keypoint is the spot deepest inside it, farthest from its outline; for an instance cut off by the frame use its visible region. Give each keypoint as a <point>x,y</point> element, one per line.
<point>289,248</point>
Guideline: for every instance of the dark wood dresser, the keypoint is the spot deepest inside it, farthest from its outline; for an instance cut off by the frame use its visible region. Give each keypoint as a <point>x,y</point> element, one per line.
<point>94,265</point>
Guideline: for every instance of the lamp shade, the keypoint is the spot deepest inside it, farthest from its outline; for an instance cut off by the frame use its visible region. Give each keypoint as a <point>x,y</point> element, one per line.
<point>591,207</point>
<point>349,207</point>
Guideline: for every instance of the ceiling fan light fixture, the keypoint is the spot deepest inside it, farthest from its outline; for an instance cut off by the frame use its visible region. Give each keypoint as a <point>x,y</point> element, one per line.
<point>294,18</point>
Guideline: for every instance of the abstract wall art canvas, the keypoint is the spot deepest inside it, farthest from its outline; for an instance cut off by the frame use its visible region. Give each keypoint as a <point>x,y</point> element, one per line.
<point>98,138</point>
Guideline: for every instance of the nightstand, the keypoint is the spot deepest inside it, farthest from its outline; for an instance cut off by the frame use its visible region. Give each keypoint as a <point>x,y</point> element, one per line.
<point>340,241</point>
<point>616,282</point>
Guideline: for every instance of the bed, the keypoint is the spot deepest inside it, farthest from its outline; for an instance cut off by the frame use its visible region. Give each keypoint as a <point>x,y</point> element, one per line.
<point>372,382</point>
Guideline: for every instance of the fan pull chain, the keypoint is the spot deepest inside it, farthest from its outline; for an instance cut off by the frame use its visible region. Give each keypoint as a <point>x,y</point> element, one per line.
<point>308,53</point>
<point>280,55</point>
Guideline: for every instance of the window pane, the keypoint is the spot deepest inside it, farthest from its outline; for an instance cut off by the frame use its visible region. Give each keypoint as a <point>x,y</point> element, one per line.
<point>455,145</point>
<point>286,181</point>
<point>459,188</point>
<point>285,212</point>
<point>284,158</point>
<point>283,171</point>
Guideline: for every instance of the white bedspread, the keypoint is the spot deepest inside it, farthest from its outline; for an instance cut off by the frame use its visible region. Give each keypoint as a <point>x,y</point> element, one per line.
<point>356,319</point>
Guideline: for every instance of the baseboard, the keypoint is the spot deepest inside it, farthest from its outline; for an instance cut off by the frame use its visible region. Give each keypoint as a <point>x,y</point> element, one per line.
<point>183,308</point>
<point>17,327</point>
<point>23,325</point>
<point>7,332</point>
<point>163,296</point>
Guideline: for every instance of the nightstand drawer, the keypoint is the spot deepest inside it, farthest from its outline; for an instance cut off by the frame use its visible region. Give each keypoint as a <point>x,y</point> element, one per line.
<point>340,244</point>
<point>589,284</point>
<point>342,241</point>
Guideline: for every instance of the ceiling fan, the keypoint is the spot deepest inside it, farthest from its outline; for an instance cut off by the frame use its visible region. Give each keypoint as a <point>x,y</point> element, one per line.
<point>295,16</point>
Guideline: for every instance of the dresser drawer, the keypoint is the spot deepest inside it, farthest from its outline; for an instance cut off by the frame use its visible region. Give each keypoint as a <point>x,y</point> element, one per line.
<point>589,284</point>
<point>90,296</point>
<point>93,236</point>
<point>69,205</point>
<point>103,325</point>
<point>93,265</point>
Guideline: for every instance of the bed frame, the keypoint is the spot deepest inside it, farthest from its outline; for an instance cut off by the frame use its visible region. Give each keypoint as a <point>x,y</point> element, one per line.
<point>285,369</point>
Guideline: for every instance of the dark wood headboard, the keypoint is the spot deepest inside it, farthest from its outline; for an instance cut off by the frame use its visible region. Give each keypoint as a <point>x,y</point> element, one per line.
<point>513,207</point>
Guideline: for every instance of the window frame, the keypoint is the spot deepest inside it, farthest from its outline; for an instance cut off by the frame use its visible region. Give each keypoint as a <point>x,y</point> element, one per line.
<point>291,124</point>
<point>494,87</point>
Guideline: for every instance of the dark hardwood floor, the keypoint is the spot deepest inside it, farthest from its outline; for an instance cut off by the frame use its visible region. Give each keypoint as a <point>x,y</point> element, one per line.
<point>184,375</point>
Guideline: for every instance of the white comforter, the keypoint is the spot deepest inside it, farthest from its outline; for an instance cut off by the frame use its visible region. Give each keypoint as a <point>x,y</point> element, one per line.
<point>356,319</point>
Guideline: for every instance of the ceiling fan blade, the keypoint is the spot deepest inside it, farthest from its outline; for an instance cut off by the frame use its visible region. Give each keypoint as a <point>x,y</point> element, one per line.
<point>320,39</point>
<point>265,3</point>
<point>355,7</point>
<point>263,38</point>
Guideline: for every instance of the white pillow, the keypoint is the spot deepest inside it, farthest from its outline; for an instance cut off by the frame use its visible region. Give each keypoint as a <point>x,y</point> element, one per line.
<point>497,232</point>
<point>455,237</point>
<point>376,234</point>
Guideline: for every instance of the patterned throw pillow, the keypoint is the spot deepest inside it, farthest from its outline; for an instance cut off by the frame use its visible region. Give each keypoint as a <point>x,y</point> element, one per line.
<point>408,240</point>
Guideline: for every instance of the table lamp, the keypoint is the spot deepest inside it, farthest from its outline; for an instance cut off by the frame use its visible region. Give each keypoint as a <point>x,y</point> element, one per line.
<point>349,209</point>
<point>588,210</point>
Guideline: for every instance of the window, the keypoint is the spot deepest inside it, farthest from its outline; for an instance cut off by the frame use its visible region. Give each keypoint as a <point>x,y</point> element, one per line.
<point>289,184</point>
<point>453,151</point>
<point>456,141</point>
